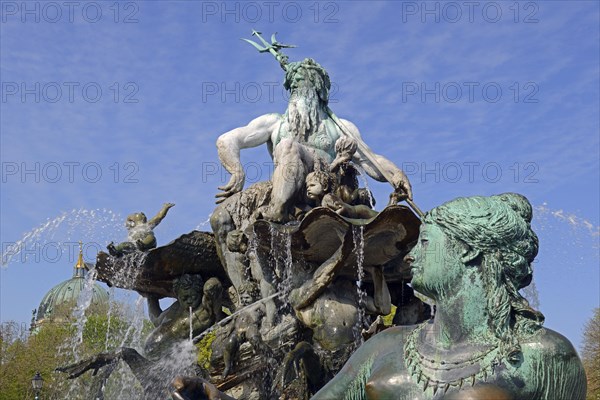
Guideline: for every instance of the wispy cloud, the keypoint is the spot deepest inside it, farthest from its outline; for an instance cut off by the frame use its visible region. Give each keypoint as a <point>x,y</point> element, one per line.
<point>175,52</point>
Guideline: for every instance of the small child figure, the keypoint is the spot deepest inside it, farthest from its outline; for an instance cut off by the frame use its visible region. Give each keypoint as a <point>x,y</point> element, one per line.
<point>246,327</point>
<point>173,324</point>
<point>320,188</point>
<point>139,232</point>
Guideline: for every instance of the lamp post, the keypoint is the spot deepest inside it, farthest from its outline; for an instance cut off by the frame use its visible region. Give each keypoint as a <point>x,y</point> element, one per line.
<point>37,382</point>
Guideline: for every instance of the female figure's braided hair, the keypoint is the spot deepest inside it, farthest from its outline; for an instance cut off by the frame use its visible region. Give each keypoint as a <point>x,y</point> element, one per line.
<point>499,227</point>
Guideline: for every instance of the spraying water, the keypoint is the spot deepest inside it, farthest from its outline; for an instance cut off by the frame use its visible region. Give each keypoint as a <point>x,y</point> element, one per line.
<point>133,335</point>
<point>543,213</point>
<point>124,382</point>
<point>94,227</point>
<point>563,235</point>
<point>569,246</point>
<point>203,224</point>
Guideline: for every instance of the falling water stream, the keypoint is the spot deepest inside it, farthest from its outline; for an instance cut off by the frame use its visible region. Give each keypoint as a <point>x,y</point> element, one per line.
<point>359,251</point>
<point>363,177</point>
<point>111,296</point>
<point>191,325</point>
<point>281,257</point>
<point>133,335</point>
<point>286,283</point>
<point>83,303</point>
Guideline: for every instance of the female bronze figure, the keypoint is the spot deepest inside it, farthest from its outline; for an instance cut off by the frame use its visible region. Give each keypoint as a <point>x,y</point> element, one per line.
<point>472,257</point>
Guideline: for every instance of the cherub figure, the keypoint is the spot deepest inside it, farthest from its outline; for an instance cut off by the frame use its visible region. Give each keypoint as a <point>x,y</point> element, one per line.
<point>173,324</point>
<point>346,187</point>
<point>320,189</point>
<point>140,235</point>
<point>246,326</point>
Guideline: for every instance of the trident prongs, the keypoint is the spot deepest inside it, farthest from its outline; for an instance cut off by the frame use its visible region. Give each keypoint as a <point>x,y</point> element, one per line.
<point>278,45</point>
<point>274,47</point>
<point>258,47</point>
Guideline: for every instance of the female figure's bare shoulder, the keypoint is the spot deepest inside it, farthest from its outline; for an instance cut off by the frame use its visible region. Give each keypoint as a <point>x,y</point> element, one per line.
<point>388,341</point>
<point>548,343</point>
<point>551,367</point>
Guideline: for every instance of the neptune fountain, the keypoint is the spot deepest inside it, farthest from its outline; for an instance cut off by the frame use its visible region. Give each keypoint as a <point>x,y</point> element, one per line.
<point>303,290</point>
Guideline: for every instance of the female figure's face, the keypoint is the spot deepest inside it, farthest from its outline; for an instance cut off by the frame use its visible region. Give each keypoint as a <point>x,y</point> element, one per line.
<point>435,262</point>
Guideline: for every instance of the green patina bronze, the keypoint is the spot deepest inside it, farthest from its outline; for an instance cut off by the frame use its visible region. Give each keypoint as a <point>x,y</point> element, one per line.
<point>140,234</point>
<point>472,257</point>
<point>309,269</point>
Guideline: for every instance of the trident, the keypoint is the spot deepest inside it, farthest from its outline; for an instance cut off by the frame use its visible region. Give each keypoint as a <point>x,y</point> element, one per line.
<point>274,48</point>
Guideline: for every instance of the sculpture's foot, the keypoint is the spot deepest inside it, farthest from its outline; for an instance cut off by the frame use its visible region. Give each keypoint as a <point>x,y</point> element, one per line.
<point>196,388</point>
<point>124,248</point>
<point>141,246</point>
<point>112,250</point>
<point>266,328</point>
<point>292,368</point>
<point>271,215</point>
<point>94,363</point>
<point>128,248</point>
<point>377,326</point>
<point>226,371</point>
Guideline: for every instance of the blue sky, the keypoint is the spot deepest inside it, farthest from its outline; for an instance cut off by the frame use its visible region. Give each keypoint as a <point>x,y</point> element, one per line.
<point>500,97</point>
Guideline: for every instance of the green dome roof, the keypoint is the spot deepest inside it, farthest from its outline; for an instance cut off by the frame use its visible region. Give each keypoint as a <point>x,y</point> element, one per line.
<point>68,292</point>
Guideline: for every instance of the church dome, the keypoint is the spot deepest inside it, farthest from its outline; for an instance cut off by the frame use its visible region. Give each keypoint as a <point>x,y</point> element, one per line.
<point>68,292</point>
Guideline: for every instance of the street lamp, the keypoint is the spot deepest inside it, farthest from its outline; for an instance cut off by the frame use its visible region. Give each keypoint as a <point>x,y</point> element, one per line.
<point>37,382</point>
